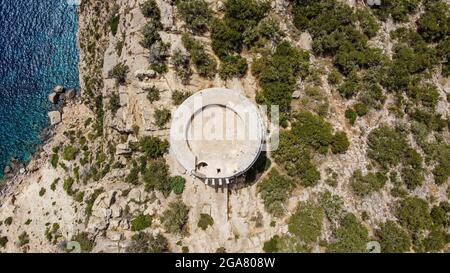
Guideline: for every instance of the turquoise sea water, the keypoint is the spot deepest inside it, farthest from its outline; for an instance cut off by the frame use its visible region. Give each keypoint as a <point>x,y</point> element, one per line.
<point>37,51</point>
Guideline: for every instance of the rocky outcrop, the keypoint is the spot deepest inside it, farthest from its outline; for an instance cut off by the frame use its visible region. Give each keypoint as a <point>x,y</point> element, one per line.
<point>55,117</point>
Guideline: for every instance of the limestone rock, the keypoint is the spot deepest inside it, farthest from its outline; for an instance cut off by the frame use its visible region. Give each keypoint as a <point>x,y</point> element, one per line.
<point>55,117</point>
<point>296,94</point>
<point>166,13</point>
<point>71,94</point>
<point>123,149</point>
<point>145,74</point>
<point>58,89</point>
<point>53,97</point>
<point>32,166</point>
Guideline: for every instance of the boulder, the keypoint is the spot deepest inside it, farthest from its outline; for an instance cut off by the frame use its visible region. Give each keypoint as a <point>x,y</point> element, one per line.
<point>55,117</point>
<point>71,94</point>
<point>123,149</point>
<point>7,169</point>
<point>53,97</point>
<point>145,74</point>
<point>32,166</point>
<point>58,89</point>
<point>296,94</point>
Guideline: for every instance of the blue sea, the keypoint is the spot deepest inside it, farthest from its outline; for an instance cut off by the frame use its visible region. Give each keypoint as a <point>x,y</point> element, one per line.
<point>37,51</point>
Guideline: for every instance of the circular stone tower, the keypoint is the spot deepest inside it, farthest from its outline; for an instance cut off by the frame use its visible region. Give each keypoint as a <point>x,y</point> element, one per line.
<point>217,134</point>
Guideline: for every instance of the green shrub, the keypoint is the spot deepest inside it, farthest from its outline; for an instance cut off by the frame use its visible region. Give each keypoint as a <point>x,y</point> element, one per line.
<point>181,63</point>
<point>306,222</point>
<point>85,242</point>
<point>145,243</point>
<point>333,206</point>
<point>119,72</point>
<point>3,241</point>
<point>367,22</point>
<point>441,170</point>
<point>153,94</point>
<point>275,190</point>
<point>227,34</point>
<point>339,143</point>
<point>156,177</point>
<point>162,117</point>
<point>141,222</point>
<point>150,34</point>
<point>441,215</point>
<point>277,74</point>
<point>114,103</point>
<point>313,130</point>
<point>363,185</point>
<point>133,176</point>
<point>434,24</point>
<point>113,23</point>
<point>151,10</point>
<point>393,239</point>
<point>413,214</point>
<point>398,10</point>
<point>67,186</point>
<point>351,115</point>
<point>205,221</point>
<point>295,157</point>
<point>361,109</point>
<point>350,87</point>
<point>177,184</point>
<point>271,246</point>
<point>386,146</point>
<point>70,153</point>
<point>204,64</point>
<point>54,160</point>
<point>195,13</point>
<point>435,241</point>
<point>153,147</point>
<point>413,177</point>
<point>350,237</point>
<point>178,97</point>
<point>233,66</point>
<point>90,201</point>
<point>174,219</point>
<point>42,192</point>
<point>24,239</point>
<point>8,221</point>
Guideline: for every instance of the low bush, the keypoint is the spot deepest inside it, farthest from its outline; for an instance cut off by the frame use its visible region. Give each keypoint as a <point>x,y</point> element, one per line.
<point>306,222</point>
<point>144,243</point>
<point>393,238</point>
<point>339,143</point>
<point>177,184</point>
<point>153,94</point>
<point>119,72</point>
<point>204,64</point>
<point>363,185</point>
<point>84,240</point>
<point>233,66</point>
<point>350,237</point>
<point>274,191</point>
<point>178,97</point>
<point>174,218</point>
<point>156,177</point>
<point>195,13</point>
<point>162,117</point>
<point>205,221</point>
<point>414,214</point>
<point>153,147</point>
<point>141,222</point>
